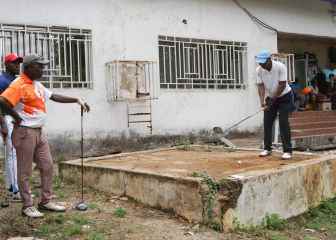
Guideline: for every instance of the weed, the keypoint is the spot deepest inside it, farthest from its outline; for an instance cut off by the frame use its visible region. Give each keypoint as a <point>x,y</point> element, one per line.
<point>72,230</point>
<point>44,230</point>
<point>324,216</point>
<point>57,183</point>
<point>278,237</point>
<point>59,219</point>
<point>120,212</point>
<point>310,238</point>
<point>93,205</point>
<point>209,200</point>
<point>80,220</point>
<point>95,236</point>
<point>183,144</point>
<point>56,219</point>
<point>36,193</point>
<point>60,194</point>
<point>274,222</point>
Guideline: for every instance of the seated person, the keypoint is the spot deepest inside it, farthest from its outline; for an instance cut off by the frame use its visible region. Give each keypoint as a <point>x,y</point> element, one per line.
<point>322,84</point>
<point>311,94</point>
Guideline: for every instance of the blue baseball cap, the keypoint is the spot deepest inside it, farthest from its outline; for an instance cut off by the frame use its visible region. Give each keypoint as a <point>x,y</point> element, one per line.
<point>263,56</point>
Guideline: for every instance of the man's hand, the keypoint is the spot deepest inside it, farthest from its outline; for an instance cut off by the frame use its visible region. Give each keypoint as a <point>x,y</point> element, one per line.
<point>264,106</point>
<point>17,121</point>
<point>84,105</point>
<point>268,103</point>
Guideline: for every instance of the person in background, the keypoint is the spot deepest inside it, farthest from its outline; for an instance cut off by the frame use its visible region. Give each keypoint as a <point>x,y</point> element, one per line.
<point>12,69</point>
<point>298,98</point>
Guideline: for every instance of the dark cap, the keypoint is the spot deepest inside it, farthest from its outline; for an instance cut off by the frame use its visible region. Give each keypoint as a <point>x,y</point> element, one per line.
<point>34,58</point>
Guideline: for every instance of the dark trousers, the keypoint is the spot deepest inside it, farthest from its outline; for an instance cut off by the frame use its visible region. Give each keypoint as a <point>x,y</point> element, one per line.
<point>284,106</point>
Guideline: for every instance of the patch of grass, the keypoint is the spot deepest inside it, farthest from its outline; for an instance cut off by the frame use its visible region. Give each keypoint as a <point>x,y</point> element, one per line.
<point>310,238</point>
<point>120,212</point>
<point>60,195</point>
<point>322,217</point>
<point>36,193</point>
<point>183,144</point>
<point>278,237</point>
<point>274,222</point>
<point>56,219</point>
<point>253,230</point>
<point>80,220</point>
<point>12,223</point>
<point>95,236</point>
<point>93,206</point>
<point>59,219</point>
<point>57,183</point>
<point>44,230</point>
<point>72,230</point>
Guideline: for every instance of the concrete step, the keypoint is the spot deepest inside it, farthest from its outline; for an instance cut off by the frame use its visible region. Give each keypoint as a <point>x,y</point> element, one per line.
<point>313,114</point>
<point>312,119</point>
<point>313,132</point>
<point>297,125</point>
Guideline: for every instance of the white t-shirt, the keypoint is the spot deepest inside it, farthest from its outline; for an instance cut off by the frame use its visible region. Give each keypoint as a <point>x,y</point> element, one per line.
<point>271,79</point>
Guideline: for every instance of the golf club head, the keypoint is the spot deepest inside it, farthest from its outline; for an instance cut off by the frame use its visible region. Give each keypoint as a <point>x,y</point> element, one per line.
<point>81,206</point>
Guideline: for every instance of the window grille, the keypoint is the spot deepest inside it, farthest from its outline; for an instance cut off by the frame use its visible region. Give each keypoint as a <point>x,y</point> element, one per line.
<point>289,61</point>
<point>130,80</point>
<point>202,64</point>
<point>67,49</point>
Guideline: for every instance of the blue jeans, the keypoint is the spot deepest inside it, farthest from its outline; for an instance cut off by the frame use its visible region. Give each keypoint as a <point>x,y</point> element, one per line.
<point>10,159</point>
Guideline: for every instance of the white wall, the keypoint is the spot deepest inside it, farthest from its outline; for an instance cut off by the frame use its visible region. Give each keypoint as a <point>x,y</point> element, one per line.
<point>128,29</point>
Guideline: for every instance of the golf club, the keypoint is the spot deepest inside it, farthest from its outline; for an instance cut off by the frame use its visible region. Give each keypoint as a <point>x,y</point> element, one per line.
<point>82,206</point>
<point>241,121</point>
<point>223,134</point>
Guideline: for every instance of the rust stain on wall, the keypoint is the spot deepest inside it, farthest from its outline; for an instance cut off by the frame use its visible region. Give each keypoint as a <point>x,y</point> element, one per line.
<point>313,184</point>
<point>333,172</point>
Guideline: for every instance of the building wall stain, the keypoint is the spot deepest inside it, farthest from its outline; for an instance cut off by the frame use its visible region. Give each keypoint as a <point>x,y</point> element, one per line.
<point>313,184</point>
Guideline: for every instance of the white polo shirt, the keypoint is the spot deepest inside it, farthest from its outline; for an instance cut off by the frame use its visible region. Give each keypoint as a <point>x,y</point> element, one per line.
<point>271,79</point>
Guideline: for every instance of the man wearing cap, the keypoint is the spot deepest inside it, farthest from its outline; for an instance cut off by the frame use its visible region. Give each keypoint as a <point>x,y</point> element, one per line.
<point>25,101</point>
<point>275,97</point>
<point>12,68</point>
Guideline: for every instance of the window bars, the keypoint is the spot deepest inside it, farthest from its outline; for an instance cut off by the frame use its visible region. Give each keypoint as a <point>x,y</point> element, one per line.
<point>128,80</point>
<point>69,51</point>
<point>289,61</point>
<point>187,63</point>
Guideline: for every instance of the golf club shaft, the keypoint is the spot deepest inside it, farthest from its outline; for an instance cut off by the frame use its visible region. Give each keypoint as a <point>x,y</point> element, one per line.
<point>82,153</point>
<point>243,120</point>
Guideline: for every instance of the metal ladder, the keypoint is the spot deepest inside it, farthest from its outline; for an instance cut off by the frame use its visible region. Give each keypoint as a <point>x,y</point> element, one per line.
<point>139,115</point>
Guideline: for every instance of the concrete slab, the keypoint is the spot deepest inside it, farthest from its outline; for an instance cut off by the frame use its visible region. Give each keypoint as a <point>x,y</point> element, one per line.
<point>212,185</point>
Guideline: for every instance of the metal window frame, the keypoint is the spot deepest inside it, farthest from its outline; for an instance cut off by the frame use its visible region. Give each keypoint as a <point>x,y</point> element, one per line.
<point>69,51</point>
<point>289,60</point>
<point>114,79</point>
<point>202,63</point>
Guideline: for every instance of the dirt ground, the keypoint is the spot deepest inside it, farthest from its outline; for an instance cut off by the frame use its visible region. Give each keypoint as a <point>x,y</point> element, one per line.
<point>216,162</point>
<point>118,218</point>
<point>139,223</point>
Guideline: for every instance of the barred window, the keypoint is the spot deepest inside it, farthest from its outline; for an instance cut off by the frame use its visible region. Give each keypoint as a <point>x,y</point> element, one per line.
<point>187,63</point>
<point>69,51</point>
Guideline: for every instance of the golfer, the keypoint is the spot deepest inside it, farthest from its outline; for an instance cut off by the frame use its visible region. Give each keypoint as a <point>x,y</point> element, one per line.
<point>25,101</point>
<point>275,96</point>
